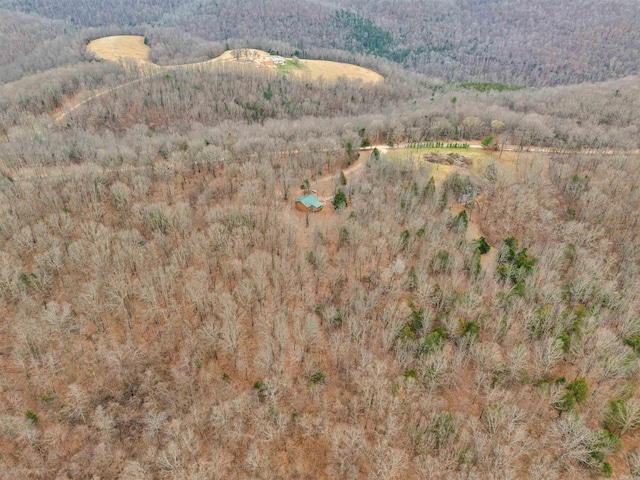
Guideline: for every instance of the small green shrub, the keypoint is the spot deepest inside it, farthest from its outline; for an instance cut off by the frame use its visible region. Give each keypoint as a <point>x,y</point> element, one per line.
<point>412,279</point>
<point>340,200</point>
<point>482,245</point>
<point>519,289</point>
<point>268,93</point>
<point>48,397</point>
<point>440,263</point>
<point>405,333</point>
<point>620,417</point>
<point>514,265</point>
<point>259,386</point>
<point>410,374</point>
<point>338,318</point>
<point>434,340</point>
<point>634,342</point>
<point>486,142</point>
<point>442,429</point>
<point>579,389</point>
<point>27,278</point>
<point>416,320</point>
<point>317,378</point>
<point>31,417</point>
<point>498,374</point>
<point>429,191</point>
<point>344,237</point>
<point>470,329</point>
<point>601,443</point>
<point>460,220</point>
<point>565,403</point>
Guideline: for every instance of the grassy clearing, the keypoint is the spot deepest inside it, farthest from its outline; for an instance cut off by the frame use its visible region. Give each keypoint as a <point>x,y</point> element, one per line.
<point>131,47</point>
<point>291,65</point>
<point>489,86</point>
<point>332,71</point>
<point>480,158</point>
<point>120,47</point>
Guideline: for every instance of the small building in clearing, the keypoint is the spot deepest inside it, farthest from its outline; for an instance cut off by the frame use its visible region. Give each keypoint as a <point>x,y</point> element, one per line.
<point>309,203</point>
<point>273,61</point>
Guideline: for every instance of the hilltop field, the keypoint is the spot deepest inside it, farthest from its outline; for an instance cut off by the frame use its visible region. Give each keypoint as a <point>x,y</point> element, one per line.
<point>120,48</point>
<point>124,48</point>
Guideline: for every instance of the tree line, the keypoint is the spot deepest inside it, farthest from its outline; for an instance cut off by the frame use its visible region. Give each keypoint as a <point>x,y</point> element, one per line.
<point>202,104</point>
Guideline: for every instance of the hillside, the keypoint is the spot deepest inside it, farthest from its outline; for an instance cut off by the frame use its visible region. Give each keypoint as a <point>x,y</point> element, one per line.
<point>517,42</point>
<point>132,48</point>
<point>464,306</point>
<point>120,48</point>
<point>172,314</point>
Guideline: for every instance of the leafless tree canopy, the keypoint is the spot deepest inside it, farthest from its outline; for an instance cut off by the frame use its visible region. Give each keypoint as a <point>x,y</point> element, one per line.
<point>538,42</point>
<point>168,313</point>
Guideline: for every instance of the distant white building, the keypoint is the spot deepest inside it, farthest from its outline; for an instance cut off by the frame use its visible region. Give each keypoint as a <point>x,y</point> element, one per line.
<point>273,61</point>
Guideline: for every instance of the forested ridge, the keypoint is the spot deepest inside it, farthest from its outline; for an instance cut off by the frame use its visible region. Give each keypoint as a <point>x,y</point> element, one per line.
<point>518,42</point>
<point>465,305</point>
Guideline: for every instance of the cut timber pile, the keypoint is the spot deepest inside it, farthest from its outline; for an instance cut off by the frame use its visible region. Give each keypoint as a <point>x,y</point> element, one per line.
<point>448,159</point>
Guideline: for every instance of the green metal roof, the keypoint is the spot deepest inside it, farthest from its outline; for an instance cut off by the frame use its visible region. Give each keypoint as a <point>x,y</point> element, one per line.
<point>309,200</point>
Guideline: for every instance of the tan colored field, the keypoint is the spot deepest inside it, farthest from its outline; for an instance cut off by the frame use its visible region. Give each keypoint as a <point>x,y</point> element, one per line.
<point>331,71</point>
<point>120,47</point>
<point>480,158</point>
<point>132,47</point>
<point>241,56</point>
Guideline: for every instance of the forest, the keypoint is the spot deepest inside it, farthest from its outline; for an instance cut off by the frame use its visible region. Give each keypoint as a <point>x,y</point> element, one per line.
<point>519,42</point>
<point>464,306</point>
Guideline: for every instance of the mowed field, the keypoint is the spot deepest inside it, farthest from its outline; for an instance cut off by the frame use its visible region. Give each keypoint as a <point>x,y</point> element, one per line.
<point>480,159</point>
<point>132,48</point>
<point>331,71</point>
<point>120,47</point>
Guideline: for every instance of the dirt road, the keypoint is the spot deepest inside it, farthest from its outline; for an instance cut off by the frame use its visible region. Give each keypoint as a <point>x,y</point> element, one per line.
<point>324,186</point>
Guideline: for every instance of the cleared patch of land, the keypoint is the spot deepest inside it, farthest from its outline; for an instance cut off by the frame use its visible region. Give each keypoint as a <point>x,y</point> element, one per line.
<point>132,48</point>
<point>242,56</point>
<point>120,47</point>
<point>479,159</point>
<point>331,71</point>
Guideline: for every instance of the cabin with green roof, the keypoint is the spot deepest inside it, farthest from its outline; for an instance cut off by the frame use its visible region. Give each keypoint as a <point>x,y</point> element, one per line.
<point>309,203</point>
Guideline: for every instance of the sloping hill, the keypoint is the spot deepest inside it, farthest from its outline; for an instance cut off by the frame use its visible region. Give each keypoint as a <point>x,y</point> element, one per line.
<point>133,48</point>
<point>120,47</point>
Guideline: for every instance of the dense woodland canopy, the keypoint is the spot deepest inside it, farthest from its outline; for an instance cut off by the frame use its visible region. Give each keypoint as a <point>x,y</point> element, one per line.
<point>167,313</point>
